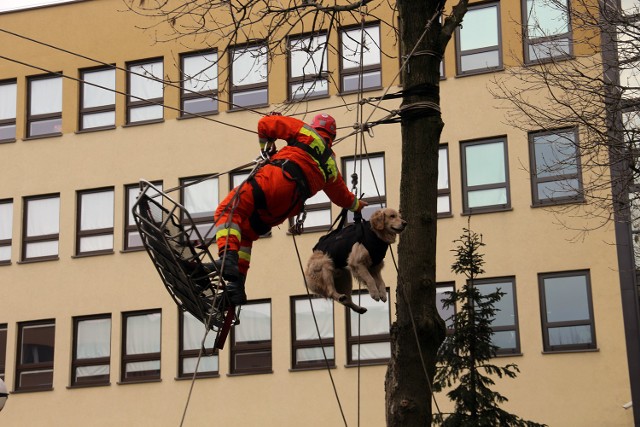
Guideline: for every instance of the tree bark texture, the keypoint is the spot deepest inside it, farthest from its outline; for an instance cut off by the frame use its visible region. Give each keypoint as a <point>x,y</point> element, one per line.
<point>418,330</point>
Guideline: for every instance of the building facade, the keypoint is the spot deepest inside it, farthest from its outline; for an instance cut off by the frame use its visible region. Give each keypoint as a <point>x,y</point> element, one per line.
<point>92,101</point>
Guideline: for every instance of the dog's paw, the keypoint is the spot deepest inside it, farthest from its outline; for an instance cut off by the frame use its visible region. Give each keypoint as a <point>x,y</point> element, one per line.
<point>383,298</point>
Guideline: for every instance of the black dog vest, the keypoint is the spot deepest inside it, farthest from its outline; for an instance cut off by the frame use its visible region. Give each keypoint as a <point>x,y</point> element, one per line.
<point>338,243</point>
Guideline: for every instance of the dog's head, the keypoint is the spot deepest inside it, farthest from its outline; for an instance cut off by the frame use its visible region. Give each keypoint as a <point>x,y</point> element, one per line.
<point>387,223</point>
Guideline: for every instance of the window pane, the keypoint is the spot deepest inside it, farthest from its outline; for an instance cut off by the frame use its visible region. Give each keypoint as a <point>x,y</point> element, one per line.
<point>308,56</point>
<point>250,97</point>
<point>200,72</point>
<point>367,184</point>
<point>485,163</point>
<point>555,154</point>
<point>442,292</point>
<point>374,322</point>
<point>43,216</point>
<point>151,112</point>
<point>479,29</point>
<point>201,199</point>
<point>143,336</point>
<point>504,339</point>
<point>566,298</point>
<point>305,325</point>
<point>352,53</point>
<point>570,335</point>
<point>94,96</point>
<point>493,197</point>
<point>5,253</point>
<point>505,310</point>
<point>314,354</point>
<point>481,60</point>
<point>8,99</point>
<point>8,132</point>
<point>443,169</point>
<point>548,49</point>
<point>318,218</point>
<point>35,250</point>
<point>255,325</point>
<point>207,364</point>
<point>96,243</point>
<point>444,204</point>
<point>37,344</point>
<point>200,105</point>
<point>193,331</point>
<point>94,338</point>
<point>46,96</point>
<point>146,81</point>
<point>44,127</point>
<point>352,82</point>
<point>249,65</point>
<point>379,350</point>
<point>547,18</point>
<point>316,87</point>
<point>6,220</point>
<point>560,188</point>
<point>94,120</point>
<point>97,210</point>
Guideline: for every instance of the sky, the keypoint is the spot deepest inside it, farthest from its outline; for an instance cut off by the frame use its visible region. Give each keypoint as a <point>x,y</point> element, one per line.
<point>6,5</point>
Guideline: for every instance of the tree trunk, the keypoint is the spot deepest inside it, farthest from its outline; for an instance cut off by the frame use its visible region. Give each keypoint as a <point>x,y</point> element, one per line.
<point>418,330</point>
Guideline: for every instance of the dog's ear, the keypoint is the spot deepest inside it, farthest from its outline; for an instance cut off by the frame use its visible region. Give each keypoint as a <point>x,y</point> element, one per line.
<point>377,220</point>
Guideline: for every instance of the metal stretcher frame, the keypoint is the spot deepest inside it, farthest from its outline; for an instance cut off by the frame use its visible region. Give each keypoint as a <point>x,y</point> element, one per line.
<point>188,271</point>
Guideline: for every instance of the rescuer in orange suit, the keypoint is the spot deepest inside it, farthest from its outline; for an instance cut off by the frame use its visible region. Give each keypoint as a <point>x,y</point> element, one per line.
<point>277,191</point>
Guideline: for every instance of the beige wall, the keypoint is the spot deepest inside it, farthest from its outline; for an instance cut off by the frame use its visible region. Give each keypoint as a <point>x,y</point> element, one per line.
<point>573,389</point>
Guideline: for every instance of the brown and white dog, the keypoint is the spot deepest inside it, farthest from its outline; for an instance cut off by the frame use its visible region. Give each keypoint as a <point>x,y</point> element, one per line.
<point>357,250</point>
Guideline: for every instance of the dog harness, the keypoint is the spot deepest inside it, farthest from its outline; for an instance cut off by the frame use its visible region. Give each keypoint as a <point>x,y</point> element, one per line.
<point>339,242</point>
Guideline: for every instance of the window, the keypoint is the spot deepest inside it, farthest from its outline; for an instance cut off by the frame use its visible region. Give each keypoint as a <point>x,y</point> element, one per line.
<point>444,189</point>
<point>485,176</point>
<point>8,100</point>
<point>132,239</point>
<point>200,199</point>
<point>505,323</point>
<point>191,333</point>
<point>251,339</point>
<point>199,83</point>
<point>94,225</point>
<point>34,365</point>
<point>145,90</point>
<point>44,106</point>
<point>41,227</point>
<point>360,65</point>
<point>547,30</point>
<point>478,46</point>
<point>3,349</point>
<point>249,84</point>
<point>368,336</point>
<point>312,333</point>
<point>98,99</point>
<point>91,350</point>
<point>308,77</point>
<point>6,230</point>
<point>371,181</point>
<point>443,291</point>
<point>318,209</point>
<point>140,346</point>
<point>628,48</point>
<point>630,7</point>
<point>567,311</point>
<point>555,167</point>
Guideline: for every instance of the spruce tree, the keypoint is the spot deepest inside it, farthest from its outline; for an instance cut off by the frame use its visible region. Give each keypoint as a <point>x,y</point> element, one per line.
<point>464,359</point>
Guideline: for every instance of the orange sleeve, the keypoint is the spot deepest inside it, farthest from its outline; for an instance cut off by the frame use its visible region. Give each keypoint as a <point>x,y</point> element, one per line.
<point>278,127</point>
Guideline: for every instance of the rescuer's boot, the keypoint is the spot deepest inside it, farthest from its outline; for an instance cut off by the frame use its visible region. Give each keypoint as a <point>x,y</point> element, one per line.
<point>228,268</point>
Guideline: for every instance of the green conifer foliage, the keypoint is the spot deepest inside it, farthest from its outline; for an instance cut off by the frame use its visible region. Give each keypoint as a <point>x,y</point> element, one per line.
<point>464,359</point>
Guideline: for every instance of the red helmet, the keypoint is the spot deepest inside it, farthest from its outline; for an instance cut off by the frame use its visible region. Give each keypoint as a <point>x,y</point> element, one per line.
<point>326,123</point>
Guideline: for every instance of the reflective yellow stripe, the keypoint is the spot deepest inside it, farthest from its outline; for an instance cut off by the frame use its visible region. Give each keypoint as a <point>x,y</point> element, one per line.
<point>244,255</point>
<point>318,145</point>
<point>231,231</point>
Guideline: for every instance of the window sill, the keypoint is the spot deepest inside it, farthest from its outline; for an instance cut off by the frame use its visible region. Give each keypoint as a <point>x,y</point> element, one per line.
<point>158,380</point>
<point>480,72</point>
<point>246,107</point>
<point>34,390</point>
<point>201,376</point>
<point>92,254</point>
<point>447,215</point>
<point>559,203</point>
<point>49,135</point>
<point>577,350</point>
<point>487,210</point>
<point>97,129</point>
<point>308,98</point>
<point>549,60</point>
<point>241,374</point>
<point>363,363</point>
<point>33,261</point>
<point>129,250</point>
<point>197,115</point>
<point>5,263</point>
<point>312,368</point>
<point>8,141</point>
<point>518,354</point>
<point>147,122</point>
<point>70,387</point>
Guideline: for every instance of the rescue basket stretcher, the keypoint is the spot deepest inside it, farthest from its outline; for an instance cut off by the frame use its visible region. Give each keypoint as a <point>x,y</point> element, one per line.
<point>187,269</point>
